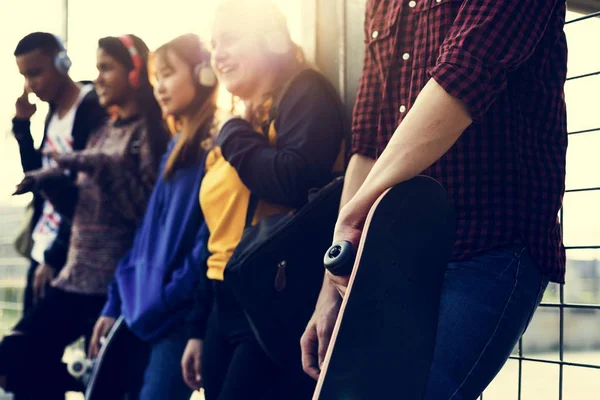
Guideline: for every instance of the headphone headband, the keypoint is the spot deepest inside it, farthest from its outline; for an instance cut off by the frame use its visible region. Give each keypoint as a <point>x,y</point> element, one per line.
<point>136,59</point>
<point>127,41</point>
<point>60,43</point>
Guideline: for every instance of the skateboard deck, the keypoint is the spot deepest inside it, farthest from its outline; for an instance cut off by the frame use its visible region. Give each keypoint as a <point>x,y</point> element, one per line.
<point>383,341</point>
<point>105,382</point>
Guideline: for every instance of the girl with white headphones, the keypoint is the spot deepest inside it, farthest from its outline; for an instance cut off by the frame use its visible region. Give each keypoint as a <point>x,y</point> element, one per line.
<point>154,282</point>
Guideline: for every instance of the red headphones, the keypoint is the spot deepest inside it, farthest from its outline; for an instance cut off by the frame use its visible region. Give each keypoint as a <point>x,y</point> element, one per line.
<point>134,74</point>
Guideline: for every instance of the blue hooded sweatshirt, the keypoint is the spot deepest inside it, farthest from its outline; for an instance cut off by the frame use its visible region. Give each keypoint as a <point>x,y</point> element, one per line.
<point>155,281</point>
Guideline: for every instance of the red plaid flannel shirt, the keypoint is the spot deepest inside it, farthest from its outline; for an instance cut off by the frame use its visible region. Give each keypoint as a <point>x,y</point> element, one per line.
<point>507,61</point>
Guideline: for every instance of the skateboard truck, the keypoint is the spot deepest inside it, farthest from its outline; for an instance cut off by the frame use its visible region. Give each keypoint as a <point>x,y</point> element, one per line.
<point>339,259</point>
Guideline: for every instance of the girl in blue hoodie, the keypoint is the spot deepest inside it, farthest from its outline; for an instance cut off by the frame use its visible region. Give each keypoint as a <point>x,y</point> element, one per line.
<point>154,282</point>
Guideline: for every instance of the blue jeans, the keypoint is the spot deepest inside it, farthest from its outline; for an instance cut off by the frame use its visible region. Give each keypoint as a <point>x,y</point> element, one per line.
<point>486,305</point>
<point>163,378</point>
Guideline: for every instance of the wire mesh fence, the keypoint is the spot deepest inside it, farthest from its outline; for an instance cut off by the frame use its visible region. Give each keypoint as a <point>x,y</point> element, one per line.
<point>559,355</point>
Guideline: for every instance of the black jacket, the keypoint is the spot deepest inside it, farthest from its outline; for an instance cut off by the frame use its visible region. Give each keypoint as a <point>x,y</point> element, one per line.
<point>88,117</point>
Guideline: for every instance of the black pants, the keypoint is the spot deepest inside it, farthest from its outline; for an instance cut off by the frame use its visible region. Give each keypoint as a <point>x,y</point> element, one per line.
<point>28,295</point>
<point>31,361</point>
<point>234,366</point>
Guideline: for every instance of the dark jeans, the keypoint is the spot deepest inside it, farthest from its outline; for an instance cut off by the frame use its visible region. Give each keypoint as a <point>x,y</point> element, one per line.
<point>31,361</point>
<point>234,366</point>
<point>486,305</point>
<point>163,378</point>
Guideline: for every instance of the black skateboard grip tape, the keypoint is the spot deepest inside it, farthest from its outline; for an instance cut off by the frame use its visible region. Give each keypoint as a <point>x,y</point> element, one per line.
<point>339,258</point>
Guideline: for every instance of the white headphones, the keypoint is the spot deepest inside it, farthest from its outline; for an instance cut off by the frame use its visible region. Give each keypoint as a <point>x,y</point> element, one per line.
<point>203,71</point>
<point>205,74</point>
<point>62,62</point>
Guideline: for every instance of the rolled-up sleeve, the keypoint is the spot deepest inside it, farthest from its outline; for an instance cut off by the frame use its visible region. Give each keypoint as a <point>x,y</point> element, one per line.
<point>488,40</point>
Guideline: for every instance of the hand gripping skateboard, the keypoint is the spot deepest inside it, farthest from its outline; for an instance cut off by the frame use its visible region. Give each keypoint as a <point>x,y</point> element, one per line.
<point>106,381</point>
<point>384,337</point>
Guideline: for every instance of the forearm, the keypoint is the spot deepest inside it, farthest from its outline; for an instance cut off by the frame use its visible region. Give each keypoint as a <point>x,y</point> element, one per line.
<point>112,307</point>
<point>429,130</point>
<point>31,158</point>
<point>356,173</point>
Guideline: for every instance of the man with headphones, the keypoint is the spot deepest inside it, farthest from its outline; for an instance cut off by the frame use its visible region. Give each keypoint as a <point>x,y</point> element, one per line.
<point>74,113</point>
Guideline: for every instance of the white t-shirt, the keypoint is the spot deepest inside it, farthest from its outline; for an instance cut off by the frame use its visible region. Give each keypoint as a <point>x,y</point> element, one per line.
<point>59,139</point>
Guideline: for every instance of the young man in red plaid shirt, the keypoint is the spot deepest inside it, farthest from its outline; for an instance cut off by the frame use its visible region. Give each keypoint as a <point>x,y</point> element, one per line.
<point>469,92</point>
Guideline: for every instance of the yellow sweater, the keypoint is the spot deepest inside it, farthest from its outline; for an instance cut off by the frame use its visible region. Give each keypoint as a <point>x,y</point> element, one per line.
<point>292,154</point>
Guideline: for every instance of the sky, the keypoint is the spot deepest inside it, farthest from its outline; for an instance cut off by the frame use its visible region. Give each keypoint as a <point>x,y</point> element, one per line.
<point>156,25</point>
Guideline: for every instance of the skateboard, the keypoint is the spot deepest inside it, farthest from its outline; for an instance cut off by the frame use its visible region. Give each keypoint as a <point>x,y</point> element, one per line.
<point>383,341</point>
<point>109,375</point>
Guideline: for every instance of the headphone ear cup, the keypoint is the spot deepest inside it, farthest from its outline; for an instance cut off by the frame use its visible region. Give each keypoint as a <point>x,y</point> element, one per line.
<point>277,42</point>
<point>205,75</point>
<point>62,62</point>
<point>134,79</point>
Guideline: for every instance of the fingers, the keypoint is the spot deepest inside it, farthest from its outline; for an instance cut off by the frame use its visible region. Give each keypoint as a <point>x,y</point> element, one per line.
<point>43,277</point>
<point>24,186</point>
<point>309,347</point>
<point>197,371</point>
<point>24,96</point>
<point>190,365</point>
<point>105,330</point>
<point>100,331</point>
<point>188,371</point>
<point>94,344</point>
<point>184,371</point>
<point>324,335</point>
<point>92,349</point>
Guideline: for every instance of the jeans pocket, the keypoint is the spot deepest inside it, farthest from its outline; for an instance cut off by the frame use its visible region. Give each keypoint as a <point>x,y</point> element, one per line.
<point>501,262</point>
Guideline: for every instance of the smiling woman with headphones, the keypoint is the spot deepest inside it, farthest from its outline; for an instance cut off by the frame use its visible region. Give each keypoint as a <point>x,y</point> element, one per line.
<point>154,282</point>
<point>115,175</point>
<point>287,143</point>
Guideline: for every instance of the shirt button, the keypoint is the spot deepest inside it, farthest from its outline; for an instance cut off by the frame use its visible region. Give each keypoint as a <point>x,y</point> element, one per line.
<point>374,34</point>
<point>402,109</point>
<point>405,56</point>
<point>412,4</point>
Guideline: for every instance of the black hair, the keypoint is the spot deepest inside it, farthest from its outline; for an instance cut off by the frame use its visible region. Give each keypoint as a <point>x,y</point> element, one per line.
<point>150,109</point>
<point>43,41</point>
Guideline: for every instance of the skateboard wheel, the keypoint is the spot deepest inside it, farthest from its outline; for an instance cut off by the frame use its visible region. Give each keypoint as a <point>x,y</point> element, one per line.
<point>339,258</point>
<point>79,367</point>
